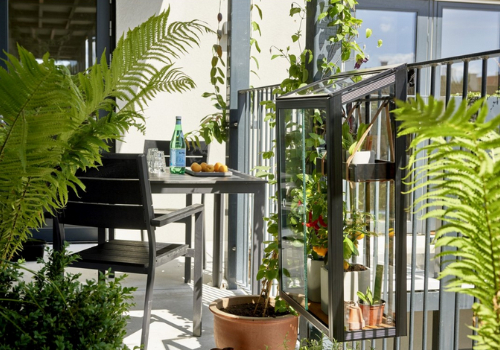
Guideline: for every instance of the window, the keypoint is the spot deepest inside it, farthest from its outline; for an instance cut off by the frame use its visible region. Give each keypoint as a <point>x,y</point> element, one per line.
<point>397,30</point>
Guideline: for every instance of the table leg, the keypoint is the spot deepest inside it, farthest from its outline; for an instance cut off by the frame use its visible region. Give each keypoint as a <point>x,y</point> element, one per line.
<point>259,202</point>
<point>188,237</point>
<point>218,248</point>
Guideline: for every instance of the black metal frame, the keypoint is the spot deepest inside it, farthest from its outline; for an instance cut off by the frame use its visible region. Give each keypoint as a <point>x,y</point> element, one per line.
<point>332,104</point>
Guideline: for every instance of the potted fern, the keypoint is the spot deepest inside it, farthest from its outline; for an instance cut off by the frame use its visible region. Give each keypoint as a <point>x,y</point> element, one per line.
<point>463,176</point>
<point>50,124</point>
<point>49,128</point>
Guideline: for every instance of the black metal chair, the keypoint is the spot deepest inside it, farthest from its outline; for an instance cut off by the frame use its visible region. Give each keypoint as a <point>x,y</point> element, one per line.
<point>193,154</point>
<point>118,195</point>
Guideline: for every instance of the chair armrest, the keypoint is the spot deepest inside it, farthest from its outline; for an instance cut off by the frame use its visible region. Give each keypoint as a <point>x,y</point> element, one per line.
<point>177,215</point>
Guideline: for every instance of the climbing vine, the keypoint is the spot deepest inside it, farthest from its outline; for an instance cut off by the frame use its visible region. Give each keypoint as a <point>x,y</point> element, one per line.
<point>214,125</point>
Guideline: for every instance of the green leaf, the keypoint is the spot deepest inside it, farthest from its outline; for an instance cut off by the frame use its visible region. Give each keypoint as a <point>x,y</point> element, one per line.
<point>368,32</point>
<point>379,42</point>
<point>294,11</point>
<point>322,15</point>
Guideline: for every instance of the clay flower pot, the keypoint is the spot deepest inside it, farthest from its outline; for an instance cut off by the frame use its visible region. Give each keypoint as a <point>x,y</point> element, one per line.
<point>242,333</point>
<point>372,313</point>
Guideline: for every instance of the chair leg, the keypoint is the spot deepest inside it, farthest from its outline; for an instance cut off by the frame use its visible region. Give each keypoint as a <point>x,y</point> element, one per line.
<point>148,303</point>
<point>198,274</point>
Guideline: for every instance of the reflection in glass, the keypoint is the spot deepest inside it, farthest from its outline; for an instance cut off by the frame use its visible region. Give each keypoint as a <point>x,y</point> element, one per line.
<point>397,31</point>
<point>453,39</point>
<point>64,29</point>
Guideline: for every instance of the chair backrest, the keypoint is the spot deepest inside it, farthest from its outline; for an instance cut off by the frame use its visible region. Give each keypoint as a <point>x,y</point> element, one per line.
<point>117,195</point>
<point>193,154</point>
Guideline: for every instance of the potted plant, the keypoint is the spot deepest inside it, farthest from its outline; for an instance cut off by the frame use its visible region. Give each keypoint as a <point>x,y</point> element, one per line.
<point>357,145</point>
<point>315,206</point>
<point>372,307</point>
<point>55,310</point>
<point>356,276</point>
<point>257,321</point>
<point>50,124</point>
<point>463,176</point>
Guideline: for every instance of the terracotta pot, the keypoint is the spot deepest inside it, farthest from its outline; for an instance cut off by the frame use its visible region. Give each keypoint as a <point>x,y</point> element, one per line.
<point>372,313</point>
<point>251,333</point>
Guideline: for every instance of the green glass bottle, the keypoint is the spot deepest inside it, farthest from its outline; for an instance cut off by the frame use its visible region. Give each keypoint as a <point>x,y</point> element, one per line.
<point>178,149</point>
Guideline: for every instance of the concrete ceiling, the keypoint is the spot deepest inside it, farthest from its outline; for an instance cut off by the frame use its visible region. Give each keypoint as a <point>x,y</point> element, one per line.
<point>56,26</point>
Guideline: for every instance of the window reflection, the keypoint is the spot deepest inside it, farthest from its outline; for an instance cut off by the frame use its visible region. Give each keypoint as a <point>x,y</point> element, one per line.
<point>64,29</point>
<point>482,34</point>
<point>397,29</point>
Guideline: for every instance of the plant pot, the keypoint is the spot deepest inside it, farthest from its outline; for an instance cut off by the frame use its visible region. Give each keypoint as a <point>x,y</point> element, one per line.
<point>363,157</point>
<point>372,314</point>
<point>32,250</point>
<point>353,281</point>
<point>314,280</point>
<point>242,333</point>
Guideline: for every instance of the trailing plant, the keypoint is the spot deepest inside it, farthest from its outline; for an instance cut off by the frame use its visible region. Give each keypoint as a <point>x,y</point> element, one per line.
<point>459,164</point>
<point>298,76</point>
<point>56,311</point>
<point>51,125</point>
<point>214,125</point>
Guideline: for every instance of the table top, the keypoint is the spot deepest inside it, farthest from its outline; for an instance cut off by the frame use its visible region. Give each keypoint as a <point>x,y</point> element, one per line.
<point>185,183</point>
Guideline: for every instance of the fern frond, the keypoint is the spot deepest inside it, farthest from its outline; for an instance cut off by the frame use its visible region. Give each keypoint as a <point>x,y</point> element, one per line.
<point>51,119</point>
<point>462,174</point>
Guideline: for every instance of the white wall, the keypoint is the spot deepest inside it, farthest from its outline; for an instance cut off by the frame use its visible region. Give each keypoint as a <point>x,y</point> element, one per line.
<point>277,28</point>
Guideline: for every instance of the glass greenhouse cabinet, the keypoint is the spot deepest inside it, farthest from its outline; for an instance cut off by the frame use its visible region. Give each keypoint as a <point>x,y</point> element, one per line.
<point>342,218</point>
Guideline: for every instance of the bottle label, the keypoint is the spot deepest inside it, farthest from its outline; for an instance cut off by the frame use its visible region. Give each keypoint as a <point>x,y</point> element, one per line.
<point>178,157</point>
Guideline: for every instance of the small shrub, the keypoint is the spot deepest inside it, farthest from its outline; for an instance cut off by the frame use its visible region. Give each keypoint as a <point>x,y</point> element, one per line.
<point>56,311</point>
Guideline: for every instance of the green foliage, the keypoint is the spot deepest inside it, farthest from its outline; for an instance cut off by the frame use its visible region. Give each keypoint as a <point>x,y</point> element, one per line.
<point>51,125</point>
<point>56,311</point>
<point>214,125</point>
<point>460,166</point>
<point>367,297</point>
<point>350,141</point>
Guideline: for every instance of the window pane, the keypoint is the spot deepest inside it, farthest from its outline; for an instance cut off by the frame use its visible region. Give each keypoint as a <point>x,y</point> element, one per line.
<point>480,33</point>
<point>65,29</point>
<point>397,31</point>
<point>455,41</point>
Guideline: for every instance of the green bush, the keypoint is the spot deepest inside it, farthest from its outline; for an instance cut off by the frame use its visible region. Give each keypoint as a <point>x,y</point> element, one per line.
<point>56,311</point>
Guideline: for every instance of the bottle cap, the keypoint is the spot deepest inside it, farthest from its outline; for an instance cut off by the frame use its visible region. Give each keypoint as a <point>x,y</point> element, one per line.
<point>178,117</point>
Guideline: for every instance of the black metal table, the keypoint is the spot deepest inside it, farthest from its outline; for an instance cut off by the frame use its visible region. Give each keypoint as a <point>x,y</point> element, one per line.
<point>237,183</point>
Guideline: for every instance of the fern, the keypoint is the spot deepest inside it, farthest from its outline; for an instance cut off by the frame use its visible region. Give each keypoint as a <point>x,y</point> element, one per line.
<point>462,170</point>
<point>50,118</point>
